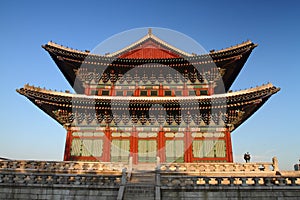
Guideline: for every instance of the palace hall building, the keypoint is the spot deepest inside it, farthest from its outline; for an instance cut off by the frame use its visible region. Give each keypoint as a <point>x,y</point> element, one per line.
<point>150,101</point>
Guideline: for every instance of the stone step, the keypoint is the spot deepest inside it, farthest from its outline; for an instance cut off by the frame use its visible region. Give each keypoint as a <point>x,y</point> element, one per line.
<point>139,191</point>
<point>144,166</point>
<point>142,177</point>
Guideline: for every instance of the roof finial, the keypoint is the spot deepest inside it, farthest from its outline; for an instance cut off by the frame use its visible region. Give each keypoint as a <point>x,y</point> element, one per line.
<point>149,31</point>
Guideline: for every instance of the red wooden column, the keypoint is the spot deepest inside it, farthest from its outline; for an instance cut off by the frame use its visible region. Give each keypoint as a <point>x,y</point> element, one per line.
<point>229,156</point>
<point>211,88</point>
<point>137,90</point>
<point>160,90</point>
<point>161,152</point>
<point>188,146</point>
<point>134,145</point>
<point>87,90</point>
<point>112,90</point>
<point>106,144</point>
<point>185,90</point>
<point>68,145</point>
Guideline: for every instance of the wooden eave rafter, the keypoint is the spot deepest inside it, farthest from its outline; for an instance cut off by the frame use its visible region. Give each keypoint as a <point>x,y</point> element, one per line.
<point>232,98</point>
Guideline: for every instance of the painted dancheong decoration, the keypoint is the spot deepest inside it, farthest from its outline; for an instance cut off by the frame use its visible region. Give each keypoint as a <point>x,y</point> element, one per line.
<point>150,100</point>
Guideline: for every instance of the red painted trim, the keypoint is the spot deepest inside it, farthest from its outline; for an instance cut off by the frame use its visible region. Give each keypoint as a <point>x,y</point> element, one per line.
<point>86,158</point>
<point>149,49</point>
<point>228,146</point>
<point>136,91</point>
<point>160,90</point>
<point>185,90</point>
<point>188,146</point>
<point>87,90</point>
<point>161,141</point>
<point>107,144</point>
<point>209,159</point>
<point>112,90</point>
<point>134,146</point>
<point>68,145</point>
<point>210,89</point>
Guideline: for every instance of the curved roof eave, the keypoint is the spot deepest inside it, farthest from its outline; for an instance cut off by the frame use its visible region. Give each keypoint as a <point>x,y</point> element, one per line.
<point>164,99</point>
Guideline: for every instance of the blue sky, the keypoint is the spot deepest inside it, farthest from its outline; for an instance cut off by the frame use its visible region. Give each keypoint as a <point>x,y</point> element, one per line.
<point>28,133</point>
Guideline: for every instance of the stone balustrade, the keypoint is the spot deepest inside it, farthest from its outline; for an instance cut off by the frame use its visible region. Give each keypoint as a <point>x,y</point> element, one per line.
<point>70,173</point>
<point>216,167</point>
<point>193,182</point>
<point>15,178</point>
<point>61,166</point>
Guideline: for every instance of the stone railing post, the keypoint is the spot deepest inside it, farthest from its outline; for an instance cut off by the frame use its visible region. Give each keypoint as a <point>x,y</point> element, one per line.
<point>281,181</point>
<point>123,179</point>
<point>129,168</point>
<point>158,162</point>
<point>256,181</point>
<point>121,191</point>
<point>157,176</point>
<point>275,164</point>
<point>244,181</point>
<point>157,183</point>
<point>267,181</point>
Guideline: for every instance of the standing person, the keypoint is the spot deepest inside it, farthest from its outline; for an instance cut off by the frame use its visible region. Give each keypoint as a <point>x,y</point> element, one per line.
<point>247,157</point>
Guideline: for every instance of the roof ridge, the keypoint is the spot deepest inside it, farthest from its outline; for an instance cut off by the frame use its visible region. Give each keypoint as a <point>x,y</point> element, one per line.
<point>246,43</point>
<point>149,35</point>
<point>53,44</point>
<point>111,55</point>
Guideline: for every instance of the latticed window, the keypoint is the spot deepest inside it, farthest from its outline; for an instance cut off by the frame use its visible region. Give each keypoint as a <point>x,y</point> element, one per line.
<point>198,149</point>
<point>143,93</point>
<point>153,93</point>
<point>192,93</point>
<point>119,93</point>
<point>203,92</point>
<point>209,148</point>
<point>147,150</point>
<point>94,92</point>
<point>174,151</point>
<point>178,93</point>
<point>86,147</point>
<point>168,93</point>
<point>220,148</point>
<point>119,151</point>
<point>105,93</point>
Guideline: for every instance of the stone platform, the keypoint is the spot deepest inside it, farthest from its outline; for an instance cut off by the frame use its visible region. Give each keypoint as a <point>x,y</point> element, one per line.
<point>97,180</point>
